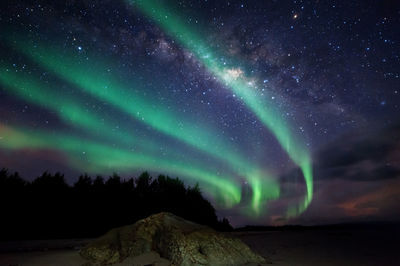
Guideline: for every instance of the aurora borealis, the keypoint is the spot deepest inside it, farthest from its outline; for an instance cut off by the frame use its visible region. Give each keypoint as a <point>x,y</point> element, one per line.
<point>239,85</point>
<point>241,97</point>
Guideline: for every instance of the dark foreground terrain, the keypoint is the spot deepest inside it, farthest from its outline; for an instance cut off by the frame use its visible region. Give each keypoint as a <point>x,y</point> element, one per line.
<point>320,246</point>
<point>367,246</point>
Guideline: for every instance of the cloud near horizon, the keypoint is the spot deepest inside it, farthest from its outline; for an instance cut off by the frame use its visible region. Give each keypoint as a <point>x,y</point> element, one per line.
<point>357,178</point>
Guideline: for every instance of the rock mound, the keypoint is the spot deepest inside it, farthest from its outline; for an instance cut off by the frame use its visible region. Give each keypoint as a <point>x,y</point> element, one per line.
<point>178,240</point>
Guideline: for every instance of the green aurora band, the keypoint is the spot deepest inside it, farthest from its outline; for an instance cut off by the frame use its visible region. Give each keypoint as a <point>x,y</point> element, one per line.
<point>271,118</point>
<point>70,110</point>
<point>93,77</point>
<point>105,157</point>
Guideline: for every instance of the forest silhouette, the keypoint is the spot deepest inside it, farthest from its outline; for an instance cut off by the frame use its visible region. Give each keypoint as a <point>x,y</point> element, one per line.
<point>49,208</point>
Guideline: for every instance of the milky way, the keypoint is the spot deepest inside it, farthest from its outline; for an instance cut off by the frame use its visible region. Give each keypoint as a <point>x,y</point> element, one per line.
<point>237,96</point>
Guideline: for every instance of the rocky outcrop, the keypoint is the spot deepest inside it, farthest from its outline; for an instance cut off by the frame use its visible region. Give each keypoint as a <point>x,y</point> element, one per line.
<point>180,241</point>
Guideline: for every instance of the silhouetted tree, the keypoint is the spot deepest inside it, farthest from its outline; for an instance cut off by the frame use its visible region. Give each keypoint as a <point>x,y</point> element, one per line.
<point>48,207</point>
<point>224,225</point>
<point>84,183</point>
<point>143,183</point>
<point>98,182</point>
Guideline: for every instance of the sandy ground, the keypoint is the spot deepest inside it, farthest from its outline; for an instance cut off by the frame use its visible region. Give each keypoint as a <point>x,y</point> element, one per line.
<point>366,247</point>
<point>280,248</point>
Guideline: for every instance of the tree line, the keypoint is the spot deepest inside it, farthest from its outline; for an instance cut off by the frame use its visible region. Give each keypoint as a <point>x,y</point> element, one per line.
<point>48,207</point>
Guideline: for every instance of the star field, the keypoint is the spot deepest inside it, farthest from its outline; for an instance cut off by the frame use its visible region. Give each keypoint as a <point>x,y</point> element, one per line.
<point>235,95</point>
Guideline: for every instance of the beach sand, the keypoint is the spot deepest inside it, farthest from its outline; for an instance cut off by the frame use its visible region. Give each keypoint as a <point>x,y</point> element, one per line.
<point>303,247</point>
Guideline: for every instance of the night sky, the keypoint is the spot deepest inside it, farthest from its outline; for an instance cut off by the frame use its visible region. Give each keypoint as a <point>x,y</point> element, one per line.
<point>283,111</point>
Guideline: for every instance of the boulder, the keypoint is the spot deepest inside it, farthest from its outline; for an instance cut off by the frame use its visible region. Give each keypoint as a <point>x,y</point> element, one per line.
<point>180,241</point>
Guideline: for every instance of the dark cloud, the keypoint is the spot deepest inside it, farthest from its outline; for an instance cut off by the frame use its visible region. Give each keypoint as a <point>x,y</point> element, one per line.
<point>356,178</point>
<point>361,156</point>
